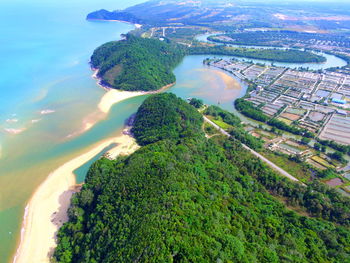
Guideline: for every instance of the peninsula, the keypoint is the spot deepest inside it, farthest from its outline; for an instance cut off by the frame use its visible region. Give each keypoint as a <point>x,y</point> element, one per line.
<point>182,197</point>
<point>185,192</point>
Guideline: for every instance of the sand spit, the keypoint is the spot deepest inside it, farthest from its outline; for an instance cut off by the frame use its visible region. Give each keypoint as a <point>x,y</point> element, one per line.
<point>47,208</point>
<point>114,96</point>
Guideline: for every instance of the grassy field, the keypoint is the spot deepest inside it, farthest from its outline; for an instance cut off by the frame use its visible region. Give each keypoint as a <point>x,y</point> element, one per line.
<point>322,161</point>
<point>296,169</point>
<point>219,122</point>
<point>209,129</point>
<point>286,121</point>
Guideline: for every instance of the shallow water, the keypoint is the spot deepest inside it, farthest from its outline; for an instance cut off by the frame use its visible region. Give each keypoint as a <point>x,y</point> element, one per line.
<point>48,95</point>
<point>51,93</point>
<point>46,92</point>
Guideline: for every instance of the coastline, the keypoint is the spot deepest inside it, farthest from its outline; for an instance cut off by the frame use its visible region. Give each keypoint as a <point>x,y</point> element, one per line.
<point>47,208</point>
<point>113,96</point>
<point>121,21</point>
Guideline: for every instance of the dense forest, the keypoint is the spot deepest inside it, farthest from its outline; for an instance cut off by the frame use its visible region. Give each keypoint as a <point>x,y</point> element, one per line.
<point>276,55</point>
<point>171,119</point>
<point>137,63</point>
<point>184,198</point>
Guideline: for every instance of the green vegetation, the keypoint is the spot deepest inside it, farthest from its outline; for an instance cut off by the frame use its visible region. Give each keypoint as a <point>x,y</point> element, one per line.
<point>223,125</point>
<point>338,156</point>
<point>316,198</point>
<point>210,130</point>
<point>278,38</point>
<point>305,140</point>
<point>197,103</point>
<point>146,64</point>
<point>336,146</point>
<point>288,163</point>
<point>248,109</point>
<point>276,55</point>
<point>225,116</point>
<point>137,63</point>
<point>231,123</point>
<point>172,118</point>
<point>192,200</point>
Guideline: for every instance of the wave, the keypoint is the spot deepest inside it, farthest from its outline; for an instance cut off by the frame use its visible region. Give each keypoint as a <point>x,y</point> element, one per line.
<point>14,131</point>
<point>48,111</point>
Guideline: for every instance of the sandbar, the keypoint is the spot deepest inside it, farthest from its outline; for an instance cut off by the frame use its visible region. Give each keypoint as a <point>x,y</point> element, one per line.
<point>47,209</point>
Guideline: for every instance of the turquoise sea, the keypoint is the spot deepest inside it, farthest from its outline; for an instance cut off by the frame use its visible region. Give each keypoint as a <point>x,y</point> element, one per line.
<point>46,91</point>
<point>47,94</point>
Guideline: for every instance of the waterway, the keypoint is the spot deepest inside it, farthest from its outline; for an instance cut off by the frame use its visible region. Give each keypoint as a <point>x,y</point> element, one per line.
<point>47,95</point>
<point>332,61</point>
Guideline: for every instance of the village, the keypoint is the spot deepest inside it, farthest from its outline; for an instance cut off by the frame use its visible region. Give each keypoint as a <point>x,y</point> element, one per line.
<point>317,101</point>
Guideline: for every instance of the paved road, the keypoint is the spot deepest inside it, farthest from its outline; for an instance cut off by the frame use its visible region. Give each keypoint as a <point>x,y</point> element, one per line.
<point>269,163</point>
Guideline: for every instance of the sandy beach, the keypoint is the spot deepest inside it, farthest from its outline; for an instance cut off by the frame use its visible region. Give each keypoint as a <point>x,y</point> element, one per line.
<point>47,209</point>
<point>113,96</point>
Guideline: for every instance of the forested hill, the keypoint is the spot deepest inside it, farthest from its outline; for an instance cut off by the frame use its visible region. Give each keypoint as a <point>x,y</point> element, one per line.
<point>137,63</point>
<point>116,15</point>
<point>171,119</point>
<point>183,198</point>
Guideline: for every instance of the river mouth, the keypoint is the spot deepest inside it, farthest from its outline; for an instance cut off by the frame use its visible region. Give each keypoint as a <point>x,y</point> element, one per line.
<point>331,62</point>
<point>45,153</point>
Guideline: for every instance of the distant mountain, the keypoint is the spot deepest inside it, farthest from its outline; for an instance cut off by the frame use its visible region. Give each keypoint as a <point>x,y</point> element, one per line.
<point>221,14</point>
<point>115,15</point>
<point>171,12</point>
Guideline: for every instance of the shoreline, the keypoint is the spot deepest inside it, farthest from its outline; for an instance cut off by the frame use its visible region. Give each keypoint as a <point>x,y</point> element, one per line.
<point>47,208</point>
<point>112,20</point>
<point>114,96</point>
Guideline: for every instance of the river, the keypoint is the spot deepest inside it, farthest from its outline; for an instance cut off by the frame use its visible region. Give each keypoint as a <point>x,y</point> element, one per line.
<point>48,94</point>
<point>332,61</point>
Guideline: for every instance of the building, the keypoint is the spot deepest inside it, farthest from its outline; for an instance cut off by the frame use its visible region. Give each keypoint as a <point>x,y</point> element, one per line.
<point>338,101</point>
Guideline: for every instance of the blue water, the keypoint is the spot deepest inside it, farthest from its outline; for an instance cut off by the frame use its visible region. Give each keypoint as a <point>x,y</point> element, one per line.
<point>45,48</point>
<point>44,51</point>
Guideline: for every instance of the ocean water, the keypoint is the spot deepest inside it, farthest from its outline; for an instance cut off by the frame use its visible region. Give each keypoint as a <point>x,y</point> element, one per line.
<point>46,93</point>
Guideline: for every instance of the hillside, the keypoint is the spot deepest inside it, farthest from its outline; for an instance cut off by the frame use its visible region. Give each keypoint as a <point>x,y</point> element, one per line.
<point>232,14</point>
<point>145,64</point>
<point>183,198</point>
<point>137,63</point>
<point>171,119</point>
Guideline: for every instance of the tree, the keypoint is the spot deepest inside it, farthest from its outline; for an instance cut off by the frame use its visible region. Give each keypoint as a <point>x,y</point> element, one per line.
<point>197,103</point>
<point>305,140</point>
<point>337,156</point>
<point>317,146</point>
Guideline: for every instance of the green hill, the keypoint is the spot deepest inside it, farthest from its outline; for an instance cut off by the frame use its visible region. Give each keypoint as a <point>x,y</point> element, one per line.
<point>137,63</point>
<point>183,198</point>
